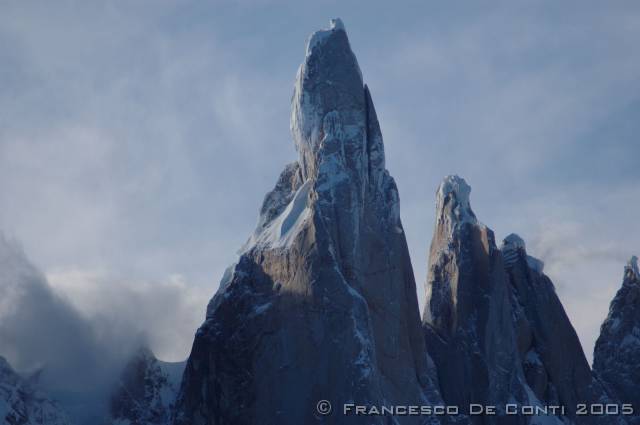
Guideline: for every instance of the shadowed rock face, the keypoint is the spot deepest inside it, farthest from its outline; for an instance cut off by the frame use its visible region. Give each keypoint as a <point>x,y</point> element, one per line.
<point>553,361</point>
<point>322,302</point>
<point>616,359</point>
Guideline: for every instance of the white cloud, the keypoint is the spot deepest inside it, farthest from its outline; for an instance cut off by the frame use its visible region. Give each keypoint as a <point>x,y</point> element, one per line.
<point>166,313</point>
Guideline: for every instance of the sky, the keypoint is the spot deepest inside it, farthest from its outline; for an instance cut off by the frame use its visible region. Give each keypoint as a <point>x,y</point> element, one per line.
<point>137,141</point>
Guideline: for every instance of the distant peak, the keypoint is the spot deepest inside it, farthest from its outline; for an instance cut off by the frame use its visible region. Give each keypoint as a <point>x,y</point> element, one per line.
<point>632,267</point>
<point>514,246</point>
<point>514,241</point>
<point>456,187</point>
<point>336,24</point>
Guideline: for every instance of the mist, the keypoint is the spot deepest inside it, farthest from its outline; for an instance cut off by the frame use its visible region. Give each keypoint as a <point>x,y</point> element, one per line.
<point>79,345</point>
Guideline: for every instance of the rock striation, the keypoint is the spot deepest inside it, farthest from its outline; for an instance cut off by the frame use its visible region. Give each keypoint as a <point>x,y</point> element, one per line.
<point>321,303</point>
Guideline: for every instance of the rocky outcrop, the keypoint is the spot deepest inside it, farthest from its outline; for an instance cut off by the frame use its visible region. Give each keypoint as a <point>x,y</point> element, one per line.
<point>146,392</point>
<point>616,359</point>
<point>321,303</point>
<point>23,403</point>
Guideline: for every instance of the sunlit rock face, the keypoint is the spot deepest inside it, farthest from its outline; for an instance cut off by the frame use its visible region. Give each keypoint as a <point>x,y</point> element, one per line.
<point>616,359</point>
<point>322,302</point>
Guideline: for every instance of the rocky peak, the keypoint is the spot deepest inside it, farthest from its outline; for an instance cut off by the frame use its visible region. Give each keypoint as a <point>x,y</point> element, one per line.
<point>328,116</point>
<point>467,317</point>
<point>453,208</point>
<point>454,190</point>
<point>631,269</point>
<point>513,247</point>
<point>553,362</point>
<point>453,211</point>
<point>328,266</point>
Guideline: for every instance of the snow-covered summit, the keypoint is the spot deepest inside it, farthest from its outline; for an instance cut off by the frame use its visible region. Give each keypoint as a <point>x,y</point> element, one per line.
<point>336,133</point>
<point>514,246</point>
<point>454,189</point>
<point>329,87</point>
<point>631,268</point>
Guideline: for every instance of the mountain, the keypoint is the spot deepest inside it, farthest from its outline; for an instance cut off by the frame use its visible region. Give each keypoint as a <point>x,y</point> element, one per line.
<point>146,392</point>
<point>616,359</point>
<point>321,308</point>
<point>321,304</point>
<point>495,326</point>
<point>468,317</point>
<point>23,403</point>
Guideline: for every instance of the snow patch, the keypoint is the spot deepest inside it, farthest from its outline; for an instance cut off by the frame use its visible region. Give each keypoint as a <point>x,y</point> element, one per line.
<point>282,230</point>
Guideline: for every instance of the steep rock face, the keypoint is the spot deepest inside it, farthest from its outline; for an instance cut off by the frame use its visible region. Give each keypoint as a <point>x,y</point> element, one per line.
<point>468,317</point>
<point>553,361</point>
<point>616,359</point>
<point>321,303</point>
<point>495,327</point>
<point>146,392</point>
<point>22,403</point>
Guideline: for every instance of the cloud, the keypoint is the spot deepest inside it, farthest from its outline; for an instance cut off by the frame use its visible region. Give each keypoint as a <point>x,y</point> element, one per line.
<point>79,331</point>
<point>165,313</point>
<point>40,329</point>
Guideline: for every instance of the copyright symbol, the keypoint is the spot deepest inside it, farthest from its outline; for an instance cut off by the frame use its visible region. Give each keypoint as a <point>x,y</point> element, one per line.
<point>323,407</point>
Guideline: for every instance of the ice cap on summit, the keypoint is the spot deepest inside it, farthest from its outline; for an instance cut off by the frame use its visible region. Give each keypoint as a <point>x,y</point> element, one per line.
<point>632,267</point>
<point>457,186</point>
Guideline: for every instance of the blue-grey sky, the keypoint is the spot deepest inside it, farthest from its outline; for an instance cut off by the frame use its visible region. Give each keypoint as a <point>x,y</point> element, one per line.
<point>137,139</point>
